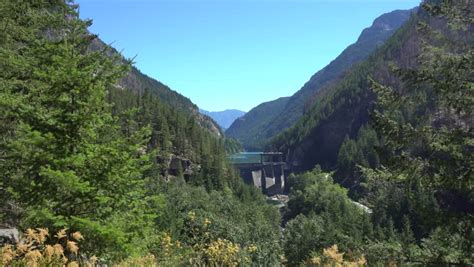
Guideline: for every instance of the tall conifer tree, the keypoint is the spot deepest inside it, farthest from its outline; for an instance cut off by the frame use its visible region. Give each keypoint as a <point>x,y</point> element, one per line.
<point>64,159</point>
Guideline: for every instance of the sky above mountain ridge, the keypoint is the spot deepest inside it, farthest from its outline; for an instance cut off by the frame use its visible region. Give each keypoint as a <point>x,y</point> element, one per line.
<point>233,53</point>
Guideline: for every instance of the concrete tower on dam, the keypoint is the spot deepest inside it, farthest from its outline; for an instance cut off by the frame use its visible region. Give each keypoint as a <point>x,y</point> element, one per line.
<point>265,170</point>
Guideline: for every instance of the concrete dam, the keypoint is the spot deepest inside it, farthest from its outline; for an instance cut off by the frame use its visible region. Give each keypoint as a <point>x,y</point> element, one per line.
<point>264,170</point>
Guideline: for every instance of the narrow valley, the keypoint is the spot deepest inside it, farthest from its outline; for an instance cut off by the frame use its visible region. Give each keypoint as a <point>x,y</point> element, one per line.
<point>369,163</point>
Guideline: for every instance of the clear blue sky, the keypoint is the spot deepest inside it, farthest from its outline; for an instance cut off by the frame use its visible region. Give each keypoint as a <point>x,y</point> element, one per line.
<point>233,53</point>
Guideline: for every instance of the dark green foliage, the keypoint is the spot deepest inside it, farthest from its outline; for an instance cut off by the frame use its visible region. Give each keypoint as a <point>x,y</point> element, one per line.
<point>354,154</point>
<point>232,146</point>
<point>341,108</point>
<point>319,215</point>
<point>420,192</point>
<point>437,134</point>
<point>80,151</point>
<point>302,237</point>
<point>243,222</point>
<point>448,245</point>
<point>64,160</point>
<point>210,187</point>
<point>125,166</point>
<point>177,134</point>
<point>426,129</point>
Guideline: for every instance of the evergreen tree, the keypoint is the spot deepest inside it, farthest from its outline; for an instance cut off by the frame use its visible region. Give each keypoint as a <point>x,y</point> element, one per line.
<point>65,161</point>
<point>429,150</point>
<point>407,237</point>
<point>347,159</point>
<point>436,140</point>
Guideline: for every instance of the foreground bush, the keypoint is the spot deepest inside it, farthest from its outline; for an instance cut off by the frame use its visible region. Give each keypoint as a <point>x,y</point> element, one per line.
<point>39,248</point>
<point>332,257</point>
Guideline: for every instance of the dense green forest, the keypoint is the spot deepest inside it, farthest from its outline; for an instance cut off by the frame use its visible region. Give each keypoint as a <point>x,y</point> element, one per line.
<point>397,132</point>
<point>98,171</point>
<point>80,151</point>
<point>336,132</point>
<point>140,83</point>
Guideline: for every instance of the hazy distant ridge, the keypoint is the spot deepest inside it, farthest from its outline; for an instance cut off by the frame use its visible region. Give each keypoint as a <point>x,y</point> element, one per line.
<point>224,118</point>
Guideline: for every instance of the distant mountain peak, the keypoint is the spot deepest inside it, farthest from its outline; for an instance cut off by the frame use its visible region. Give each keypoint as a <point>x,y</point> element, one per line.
<point>387,22</point>
<point>224,118</point>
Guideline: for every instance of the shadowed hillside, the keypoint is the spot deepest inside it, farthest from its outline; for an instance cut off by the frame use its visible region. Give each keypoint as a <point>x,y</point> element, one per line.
<point>276,117</point>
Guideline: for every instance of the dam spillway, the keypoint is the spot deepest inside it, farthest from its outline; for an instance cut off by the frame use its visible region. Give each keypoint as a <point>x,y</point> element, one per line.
<point>264,170</point>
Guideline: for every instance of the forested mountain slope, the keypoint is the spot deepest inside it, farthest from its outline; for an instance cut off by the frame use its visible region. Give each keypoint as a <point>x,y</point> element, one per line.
<point>342,108</point>
<point>97,174</point>
<point>89,145</point>
<point>138,82</point>
<point>404,118</point>
<point>244,128</point>
<point>265,124</point>
<point>179,129</point>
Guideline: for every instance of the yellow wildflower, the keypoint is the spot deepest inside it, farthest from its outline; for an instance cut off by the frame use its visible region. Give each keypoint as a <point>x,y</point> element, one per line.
<point>333,254</point>
<point>61,233</point>
<point>33,256</point>
<point>48,252</point>
<point>30,234</point>
<point>72,246</point>
<point>223,252</point>
<point>192,215</point>
<point>7,254</point>
<point>252,248</point>
<point>315,260</point>
<point>94,260</point>
<point>42,234</point>
<point>77,236</point>
<point>361,261</point>
<point>58,250</point>
<point>22,248</point>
